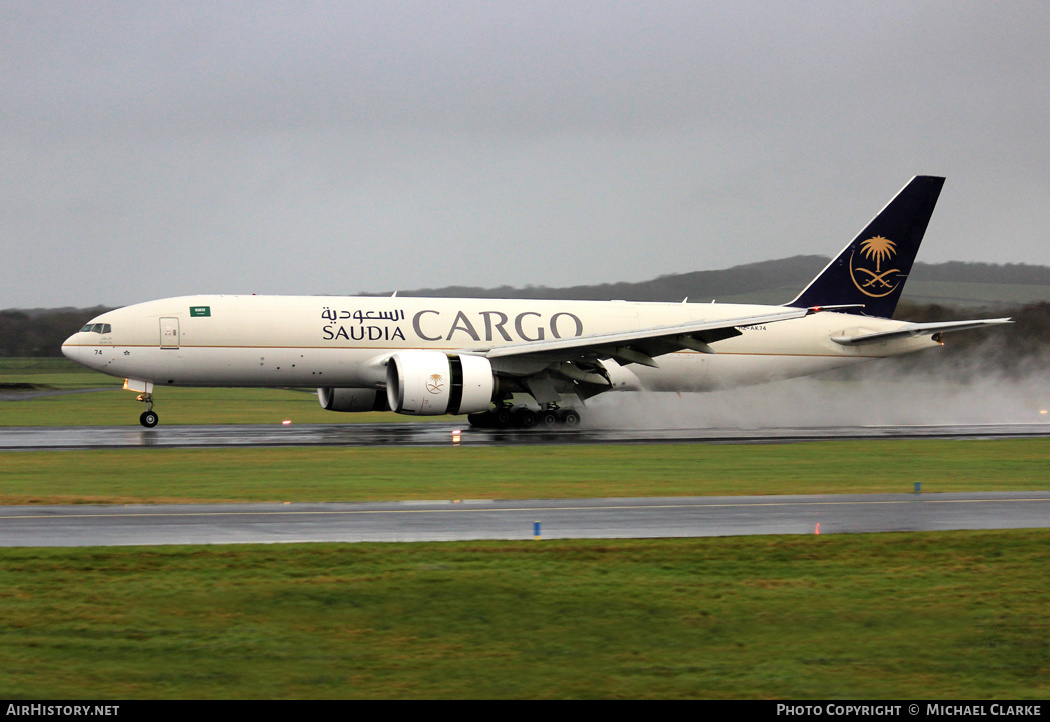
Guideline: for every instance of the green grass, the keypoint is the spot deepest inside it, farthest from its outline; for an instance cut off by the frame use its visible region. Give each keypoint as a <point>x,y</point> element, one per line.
<point>948,615</point>
<point>360,474</point>
<point>58,373</point>
<point>109,405</point>
<point>185,406</point>
<point>959,615</point>
<point>18,364</point>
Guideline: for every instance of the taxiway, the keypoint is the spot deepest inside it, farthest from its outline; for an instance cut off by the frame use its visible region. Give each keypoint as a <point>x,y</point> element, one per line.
<point>415,521</point>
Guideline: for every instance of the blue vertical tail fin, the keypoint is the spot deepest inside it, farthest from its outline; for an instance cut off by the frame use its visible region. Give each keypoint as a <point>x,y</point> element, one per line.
<point>872,269</point>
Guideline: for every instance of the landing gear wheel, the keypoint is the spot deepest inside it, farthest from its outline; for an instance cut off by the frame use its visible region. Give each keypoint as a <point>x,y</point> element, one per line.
<point>149,419</point>
<point>481,420</point>
<point>524,418</point>
<point>502,417</point>
<point>570,417</point>
<point>549,417</point>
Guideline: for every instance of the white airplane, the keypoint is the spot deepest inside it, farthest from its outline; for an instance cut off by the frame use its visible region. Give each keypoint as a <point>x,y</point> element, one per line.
<point>426,356</point>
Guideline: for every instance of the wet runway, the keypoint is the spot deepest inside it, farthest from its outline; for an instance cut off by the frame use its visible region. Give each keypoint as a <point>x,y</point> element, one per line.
<point>410,521</point>
<point>84,525</point>
<point>441,434</point>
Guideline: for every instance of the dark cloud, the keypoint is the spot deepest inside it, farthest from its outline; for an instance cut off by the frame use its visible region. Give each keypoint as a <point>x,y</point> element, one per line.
<point>172,148</point>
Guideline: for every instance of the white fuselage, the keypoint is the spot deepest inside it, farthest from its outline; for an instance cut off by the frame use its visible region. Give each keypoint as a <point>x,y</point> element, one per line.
<point>329,341</point>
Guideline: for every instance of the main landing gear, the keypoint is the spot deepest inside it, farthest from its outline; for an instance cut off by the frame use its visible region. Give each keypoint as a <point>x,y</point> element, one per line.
<point>149,417</point>
<point>522,417</point>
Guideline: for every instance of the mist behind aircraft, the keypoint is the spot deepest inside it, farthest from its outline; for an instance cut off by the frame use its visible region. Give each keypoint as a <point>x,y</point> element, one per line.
<point>876,395</point>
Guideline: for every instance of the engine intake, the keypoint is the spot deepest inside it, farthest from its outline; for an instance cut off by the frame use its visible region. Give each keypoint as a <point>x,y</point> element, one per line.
<point>429,383</point>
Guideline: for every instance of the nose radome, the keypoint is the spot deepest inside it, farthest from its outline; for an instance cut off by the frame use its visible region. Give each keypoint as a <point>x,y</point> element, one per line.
<point>69,350</point>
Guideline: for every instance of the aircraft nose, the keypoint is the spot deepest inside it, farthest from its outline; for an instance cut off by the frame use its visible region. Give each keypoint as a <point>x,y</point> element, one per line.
<point>69,350</point>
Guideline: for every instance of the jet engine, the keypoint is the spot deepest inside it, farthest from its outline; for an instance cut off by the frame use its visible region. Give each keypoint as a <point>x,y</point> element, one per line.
<point>429,383</point>
<point>352,400</point>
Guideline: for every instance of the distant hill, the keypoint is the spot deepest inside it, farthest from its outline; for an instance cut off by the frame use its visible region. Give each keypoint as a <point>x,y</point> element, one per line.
<point>932,291</point>
<point>774,282</point>
<point>781,279</point>
<point>978,284</point>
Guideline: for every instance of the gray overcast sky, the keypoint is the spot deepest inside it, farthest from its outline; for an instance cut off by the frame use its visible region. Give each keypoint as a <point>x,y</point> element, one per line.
<point>157,149</point>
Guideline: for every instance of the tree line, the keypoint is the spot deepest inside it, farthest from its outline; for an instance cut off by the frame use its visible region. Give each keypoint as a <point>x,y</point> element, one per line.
<point>40,333</point>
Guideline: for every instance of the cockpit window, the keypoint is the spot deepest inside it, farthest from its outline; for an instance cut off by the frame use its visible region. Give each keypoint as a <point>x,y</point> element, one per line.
<point>106,328</point>
<point>97,328</point>
<point>86,329</point>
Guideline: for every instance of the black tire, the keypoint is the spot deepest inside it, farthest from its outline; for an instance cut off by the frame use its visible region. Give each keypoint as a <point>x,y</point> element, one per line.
<point>550,417</point>
<point>481,420</point>
<point>502,417</point>
<point>570,417</point>
<point>149,419</point>
<point>524,418</point>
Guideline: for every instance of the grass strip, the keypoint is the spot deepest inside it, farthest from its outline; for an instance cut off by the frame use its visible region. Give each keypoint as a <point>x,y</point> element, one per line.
<point>370,474</point>
<point>111,406</point>
<point>948,615</point>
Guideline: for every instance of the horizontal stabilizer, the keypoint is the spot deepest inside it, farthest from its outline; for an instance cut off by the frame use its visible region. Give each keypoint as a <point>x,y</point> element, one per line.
<point>917,329</point>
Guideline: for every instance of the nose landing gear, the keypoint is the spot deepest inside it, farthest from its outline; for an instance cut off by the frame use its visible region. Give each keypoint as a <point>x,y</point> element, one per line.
<point>149,417</point>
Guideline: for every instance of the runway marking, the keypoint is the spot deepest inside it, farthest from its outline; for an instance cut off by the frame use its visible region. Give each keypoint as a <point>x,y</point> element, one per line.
<point>531,509</point>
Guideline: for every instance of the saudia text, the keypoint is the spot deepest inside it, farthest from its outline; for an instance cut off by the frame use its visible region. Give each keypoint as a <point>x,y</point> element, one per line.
<point>433,325</point>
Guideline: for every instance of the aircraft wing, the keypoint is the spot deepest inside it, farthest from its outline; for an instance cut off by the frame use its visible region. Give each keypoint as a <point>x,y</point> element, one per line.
<point>640,346</point>
<point>917,329</point>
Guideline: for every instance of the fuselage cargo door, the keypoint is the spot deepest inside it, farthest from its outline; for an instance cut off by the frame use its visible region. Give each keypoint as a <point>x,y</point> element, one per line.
<point>169,333</point>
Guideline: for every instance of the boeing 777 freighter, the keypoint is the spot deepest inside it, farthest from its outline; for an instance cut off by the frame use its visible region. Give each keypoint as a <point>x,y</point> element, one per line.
<point>426,356</point>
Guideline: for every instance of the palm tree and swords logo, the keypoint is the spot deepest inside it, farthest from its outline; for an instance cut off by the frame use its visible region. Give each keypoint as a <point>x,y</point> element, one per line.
<point>434,383</point>
<point>875,283</point>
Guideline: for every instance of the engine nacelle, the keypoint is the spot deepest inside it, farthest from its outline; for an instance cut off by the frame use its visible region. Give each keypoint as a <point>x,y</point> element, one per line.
<point>428,383</point>
<point>352,400</point>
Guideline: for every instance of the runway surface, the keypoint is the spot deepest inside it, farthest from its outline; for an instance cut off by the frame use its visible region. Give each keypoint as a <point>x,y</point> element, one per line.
<point>414,521</point>
<point>441,434</point>
<point>84,525</point>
